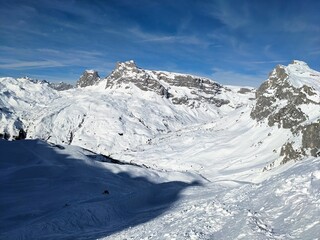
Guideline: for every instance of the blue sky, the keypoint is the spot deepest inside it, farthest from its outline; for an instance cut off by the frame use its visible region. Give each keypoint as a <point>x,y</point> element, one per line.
<point>232,41</point>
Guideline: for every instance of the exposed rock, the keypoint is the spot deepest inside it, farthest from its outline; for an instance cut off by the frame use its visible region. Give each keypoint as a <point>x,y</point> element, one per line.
<point>203,85</point>
<point>201,89</point>
<point>263,108</point>
<point>311,138</point>
<point>289,153</point>
<point>128,72</point>
<point>88,78</point>
<point>277,91</point>
<point>61,86</point>
<point>244,90</point>
<point>289,116</point>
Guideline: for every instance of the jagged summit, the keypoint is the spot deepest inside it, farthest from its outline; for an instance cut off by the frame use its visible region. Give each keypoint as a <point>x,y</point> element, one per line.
<point>179,88</point>
<point>88,78</point>
<point>127,64</point>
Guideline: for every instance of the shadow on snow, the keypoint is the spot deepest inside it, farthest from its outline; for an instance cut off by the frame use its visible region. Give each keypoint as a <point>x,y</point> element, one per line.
<point>45,194</point>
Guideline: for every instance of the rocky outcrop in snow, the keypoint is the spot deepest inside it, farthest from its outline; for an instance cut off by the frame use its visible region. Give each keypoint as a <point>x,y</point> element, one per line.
<point>290,99</point>
<point>60,86</point>
<point>181,89</point>
<point>88,78</point>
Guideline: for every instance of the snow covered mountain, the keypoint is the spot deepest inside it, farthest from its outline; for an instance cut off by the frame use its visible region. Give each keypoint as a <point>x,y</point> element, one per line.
<point>179,128</point>
<point>123,110</point>
<point>290,99</point>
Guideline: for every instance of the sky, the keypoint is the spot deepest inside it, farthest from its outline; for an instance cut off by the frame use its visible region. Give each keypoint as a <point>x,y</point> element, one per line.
<point>235,42</point>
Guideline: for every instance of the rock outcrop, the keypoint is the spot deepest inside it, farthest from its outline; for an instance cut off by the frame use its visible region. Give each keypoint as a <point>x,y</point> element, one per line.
<point>128,72</point>
<point>178,88</point>
<point>88,78</point>
<point>60,86</point>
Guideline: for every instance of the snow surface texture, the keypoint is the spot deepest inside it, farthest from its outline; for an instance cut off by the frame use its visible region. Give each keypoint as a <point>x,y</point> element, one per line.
<point>209,167</point>
<point>65,192</point>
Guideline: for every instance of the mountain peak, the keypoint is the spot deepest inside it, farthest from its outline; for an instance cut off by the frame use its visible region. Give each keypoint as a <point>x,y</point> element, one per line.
<point>288,99</point>
<point>88,78</point>
<point>298,62</point>
<point>127,64</point>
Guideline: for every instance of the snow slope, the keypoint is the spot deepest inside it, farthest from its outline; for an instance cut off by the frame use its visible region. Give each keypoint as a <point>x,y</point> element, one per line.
<point>301,74</point>
<point>285,206</point>
<point>59,192</point>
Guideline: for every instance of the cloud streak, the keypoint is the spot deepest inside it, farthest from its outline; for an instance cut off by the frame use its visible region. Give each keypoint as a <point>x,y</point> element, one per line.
<point>17,65</point>
<point>170,39</point>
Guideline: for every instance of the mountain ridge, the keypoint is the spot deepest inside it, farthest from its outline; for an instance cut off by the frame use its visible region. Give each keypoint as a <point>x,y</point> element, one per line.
<point>140,105</point>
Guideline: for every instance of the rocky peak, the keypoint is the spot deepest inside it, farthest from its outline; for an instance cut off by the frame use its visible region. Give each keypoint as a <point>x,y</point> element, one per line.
<point>284,99</point>
<point>127,74</point>
<point>88,78</point>
<point>283,92</point>
<point>126,65</point>
<point>179,88</point>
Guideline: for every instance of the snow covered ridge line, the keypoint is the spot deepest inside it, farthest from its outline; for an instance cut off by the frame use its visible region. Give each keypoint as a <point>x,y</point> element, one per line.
<point>60,86</point>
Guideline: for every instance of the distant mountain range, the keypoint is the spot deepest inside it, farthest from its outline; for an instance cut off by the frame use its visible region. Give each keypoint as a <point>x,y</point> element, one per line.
<point>132,108</point>
<point>144,154</point>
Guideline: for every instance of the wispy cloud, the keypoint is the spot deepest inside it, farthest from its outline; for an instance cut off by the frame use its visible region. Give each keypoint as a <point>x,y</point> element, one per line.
<point>231,16</point>
<point>17,65</point>
<point>14,59</point>
<point>266,62</point>
<point>162,38</point>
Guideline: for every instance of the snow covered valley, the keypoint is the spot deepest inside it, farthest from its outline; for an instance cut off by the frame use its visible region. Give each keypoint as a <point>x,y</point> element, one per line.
<point>146,154</point>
